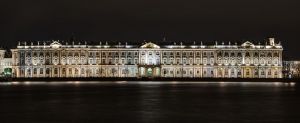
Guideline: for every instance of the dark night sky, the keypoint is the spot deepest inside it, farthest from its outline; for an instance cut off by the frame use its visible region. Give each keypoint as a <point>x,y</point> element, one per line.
<point>138,20</point>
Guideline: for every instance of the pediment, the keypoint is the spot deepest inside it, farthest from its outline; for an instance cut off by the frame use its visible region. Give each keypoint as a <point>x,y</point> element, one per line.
<point>248,44</point>
<point>55,44</point>
<point>150,45</point>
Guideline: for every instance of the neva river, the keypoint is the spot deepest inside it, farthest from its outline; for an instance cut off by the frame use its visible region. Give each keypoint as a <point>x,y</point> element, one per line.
<point>149,102</point>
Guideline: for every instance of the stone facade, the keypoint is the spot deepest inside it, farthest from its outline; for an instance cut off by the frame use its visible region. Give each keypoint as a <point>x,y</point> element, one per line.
<point>148,60</point>
<point>5,64</point>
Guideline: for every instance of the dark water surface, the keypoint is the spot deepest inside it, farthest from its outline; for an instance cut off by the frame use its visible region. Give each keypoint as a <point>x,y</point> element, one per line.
<point>159,102</point>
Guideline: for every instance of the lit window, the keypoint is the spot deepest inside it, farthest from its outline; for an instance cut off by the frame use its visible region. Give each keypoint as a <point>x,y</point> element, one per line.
<point>55,71</point>
<point>34,71</point>
<point>41,71</point>
<point>247,72</point>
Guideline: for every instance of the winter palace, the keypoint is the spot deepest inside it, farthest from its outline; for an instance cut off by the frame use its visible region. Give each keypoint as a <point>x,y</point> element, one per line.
<point>219,60</point>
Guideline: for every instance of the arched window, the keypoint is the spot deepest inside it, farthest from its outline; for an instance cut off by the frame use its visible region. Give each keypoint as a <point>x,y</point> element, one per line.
<point>232,54</point>
<point>255,54</point>
<point>226,54</point>
<point>48,71</point>
<point>34,54</point>
<point>269,54</point>
<point>41,54</point>
<point>247,54</point>
<point>76,71</point>
<point>55,71</point>
<point>34,71</point>
<point>239,54</point>
<point>219,54</point>
<point>262,54</point>
<point>47,54</point>
<point>28,71</point>
<point>262,72</point>
<point>276,55</point>
<point>64,71</point>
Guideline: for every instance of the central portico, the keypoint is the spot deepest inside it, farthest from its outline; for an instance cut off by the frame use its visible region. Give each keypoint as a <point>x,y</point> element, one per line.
<point>150,65</point>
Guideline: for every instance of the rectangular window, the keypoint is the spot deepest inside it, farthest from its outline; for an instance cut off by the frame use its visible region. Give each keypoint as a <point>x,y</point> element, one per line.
<point>204,61</point>
<point>262,72</point>
<point>70,70</point>
<point>64,71</point>
<point>34,71</point>
<point>211,60</point>
<point>41,71</point>
<point>239,73</point>
<point>128,61</point>
<point>55,71</point>
<point>135,61</point>
<point>123,61</point>
<point>165,61</point>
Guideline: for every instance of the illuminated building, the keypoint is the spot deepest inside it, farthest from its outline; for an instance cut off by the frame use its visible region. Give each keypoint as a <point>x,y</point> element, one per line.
<point>56,59</point>
<point>5,64</point>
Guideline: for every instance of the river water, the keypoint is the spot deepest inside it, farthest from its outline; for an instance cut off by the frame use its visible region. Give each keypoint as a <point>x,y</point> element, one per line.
<point>149,102</point>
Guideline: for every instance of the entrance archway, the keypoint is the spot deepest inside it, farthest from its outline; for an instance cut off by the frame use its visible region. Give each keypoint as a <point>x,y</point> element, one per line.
<point>149,72</point>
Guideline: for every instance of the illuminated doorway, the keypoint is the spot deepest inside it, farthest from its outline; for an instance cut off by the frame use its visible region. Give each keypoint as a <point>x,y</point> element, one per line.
<point>149,72</point>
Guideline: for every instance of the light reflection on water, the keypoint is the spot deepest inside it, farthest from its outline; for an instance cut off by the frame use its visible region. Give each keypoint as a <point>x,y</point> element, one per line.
<point>149,101</point>
<point>221,84</point>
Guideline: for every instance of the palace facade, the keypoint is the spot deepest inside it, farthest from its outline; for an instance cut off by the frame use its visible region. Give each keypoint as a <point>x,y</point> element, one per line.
<point>55,59</point>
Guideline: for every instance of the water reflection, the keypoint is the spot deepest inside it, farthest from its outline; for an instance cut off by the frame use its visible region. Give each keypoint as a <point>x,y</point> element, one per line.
<point>148,101</point>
